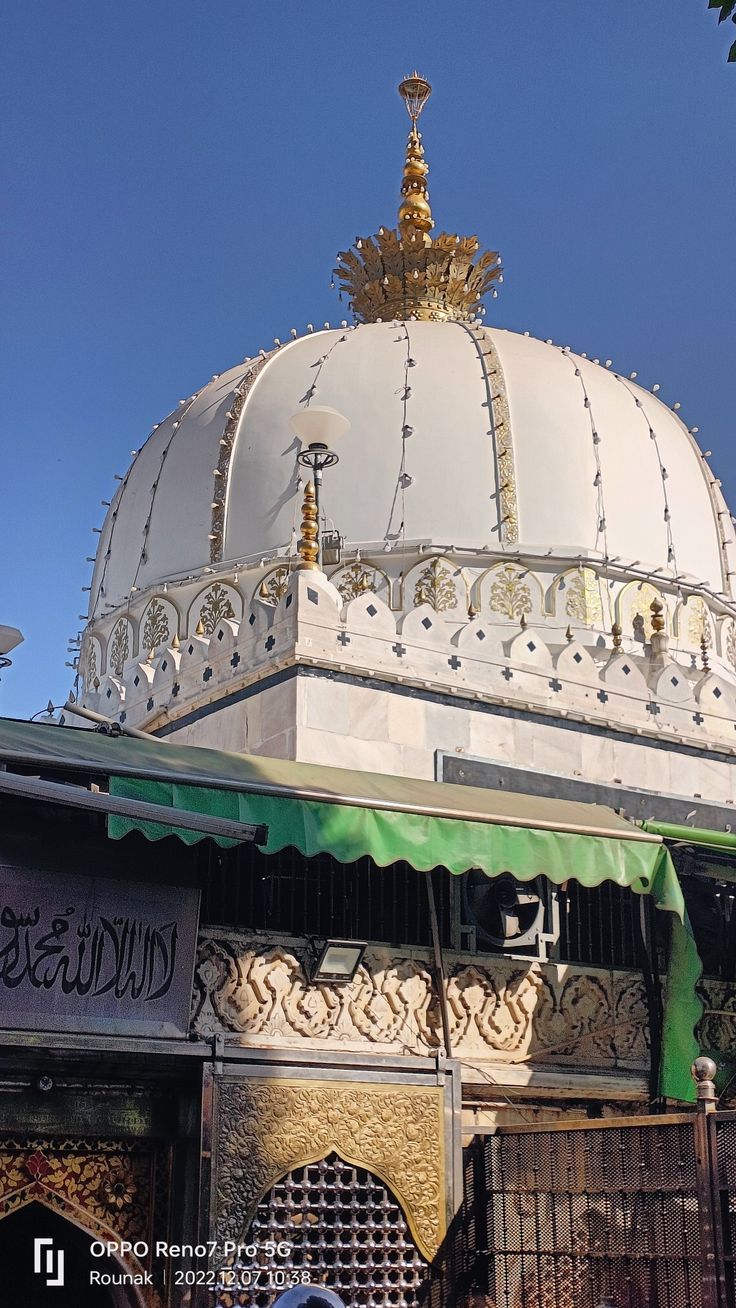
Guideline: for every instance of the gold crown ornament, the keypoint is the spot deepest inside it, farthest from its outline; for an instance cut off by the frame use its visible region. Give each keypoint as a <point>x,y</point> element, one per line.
<point>404,272</point>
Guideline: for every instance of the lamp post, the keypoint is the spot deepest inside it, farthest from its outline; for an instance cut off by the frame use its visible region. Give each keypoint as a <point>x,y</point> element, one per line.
<point>318,428</point>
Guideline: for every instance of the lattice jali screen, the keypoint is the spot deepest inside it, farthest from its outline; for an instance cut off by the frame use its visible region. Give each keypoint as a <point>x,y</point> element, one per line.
<point>343,1229</point>
<point>576,1217</point>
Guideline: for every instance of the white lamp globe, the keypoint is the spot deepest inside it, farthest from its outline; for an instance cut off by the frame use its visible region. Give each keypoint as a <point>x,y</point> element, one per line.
<point>319,425</point>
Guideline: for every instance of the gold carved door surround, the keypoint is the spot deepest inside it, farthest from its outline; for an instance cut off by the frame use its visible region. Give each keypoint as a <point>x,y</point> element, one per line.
<point>266,1126</point>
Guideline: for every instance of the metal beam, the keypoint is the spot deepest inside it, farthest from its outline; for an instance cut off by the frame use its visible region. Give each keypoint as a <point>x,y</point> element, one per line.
<point>55,792</point>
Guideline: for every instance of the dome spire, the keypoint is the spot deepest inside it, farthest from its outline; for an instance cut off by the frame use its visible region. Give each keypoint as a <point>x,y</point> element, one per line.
<point>415,215</point>
<point>405,272</point>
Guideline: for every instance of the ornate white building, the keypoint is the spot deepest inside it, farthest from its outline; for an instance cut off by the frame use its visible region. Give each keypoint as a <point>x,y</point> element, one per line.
<point>520,578</point>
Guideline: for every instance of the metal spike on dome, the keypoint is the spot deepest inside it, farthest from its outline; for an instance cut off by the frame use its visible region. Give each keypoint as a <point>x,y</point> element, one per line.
<point>175,642</point>
<point>704,652</point>
<point>199,629</point>
<point>522,622</point>
<point>617,633</point>
<point>568,634</point>
<point>472,611</point>
<point>263,591</point>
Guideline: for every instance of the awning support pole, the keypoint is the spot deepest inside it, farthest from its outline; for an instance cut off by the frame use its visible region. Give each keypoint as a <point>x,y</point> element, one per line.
<point>439,966</point>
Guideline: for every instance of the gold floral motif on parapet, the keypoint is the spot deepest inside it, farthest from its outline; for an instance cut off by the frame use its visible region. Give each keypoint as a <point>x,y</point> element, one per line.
<point>155,626</point>
<point>583,600</point>
<point>227,440</point>
<point>436,587</point>
<point>215,607</point>
<point>356,580</point>
<point>119,646</point>
<point>698,623</point>
<point>89,663</point>
<point>510,594</point>
<point>274,584</point>
<point>267,1128</point>
<point>640,611</point>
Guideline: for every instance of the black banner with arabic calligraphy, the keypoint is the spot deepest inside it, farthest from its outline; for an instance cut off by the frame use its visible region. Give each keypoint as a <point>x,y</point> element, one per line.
<point>88,954</point>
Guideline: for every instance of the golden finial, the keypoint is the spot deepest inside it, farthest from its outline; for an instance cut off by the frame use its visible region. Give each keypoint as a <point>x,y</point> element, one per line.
<point>308,547</point>
<point>404,272</point>
<point>522,622</point>
<point>199,629</point>
<point>415,215</point>
<point>151,655</point>
<point>472,611</point>
<point>175,642</point>
<point>263,591</point>
<point>617,633</point>
<point>568,634</point>
<point>656,607</point>
<point>704,652</point>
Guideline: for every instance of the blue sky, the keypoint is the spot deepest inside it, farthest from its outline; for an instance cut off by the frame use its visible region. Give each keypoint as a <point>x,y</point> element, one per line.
<point>181,175</point>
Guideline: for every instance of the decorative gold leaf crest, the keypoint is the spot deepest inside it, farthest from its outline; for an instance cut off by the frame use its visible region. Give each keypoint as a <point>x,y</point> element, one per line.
<point>436,587</point>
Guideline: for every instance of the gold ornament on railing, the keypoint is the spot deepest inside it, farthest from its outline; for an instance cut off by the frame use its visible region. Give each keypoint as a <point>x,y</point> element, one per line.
<point>308,547</point>
<point>406,273</point>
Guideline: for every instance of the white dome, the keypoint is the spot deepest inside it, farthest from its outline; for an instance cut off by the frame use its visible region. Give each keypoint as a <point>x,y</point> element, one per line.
<point>600,466</point>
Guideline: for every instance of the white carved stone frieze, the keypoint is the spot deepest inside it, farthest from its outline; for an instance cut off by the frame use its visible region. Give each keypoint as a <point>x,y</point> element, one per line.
<point>505,646</point>
<point>254,990</point>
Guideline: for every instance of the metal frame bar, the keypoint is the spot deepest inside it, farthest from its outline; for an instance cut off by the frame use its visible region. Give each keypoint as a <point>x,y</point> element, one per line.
<point>71,796</point>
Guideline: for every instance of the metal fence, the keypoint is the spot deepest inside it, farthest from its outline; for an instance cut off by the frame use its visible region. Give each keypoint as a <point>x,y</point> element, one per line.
<point>628,1213</point>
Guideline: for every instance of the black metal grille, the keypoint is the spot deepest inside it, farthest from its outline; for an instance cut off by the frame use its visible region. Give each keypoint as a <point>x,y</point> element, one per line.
<point>723,1149</point>
<point>600,927</point>
<point>711,906</point>
<point>576,1218</point>
<point>344,1230</point>
<point>319,896</point>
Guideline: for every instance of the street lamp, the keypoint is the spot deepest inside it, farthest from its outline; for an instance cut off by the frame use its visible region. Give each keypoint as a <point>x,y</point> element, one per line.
<point>318,428</point>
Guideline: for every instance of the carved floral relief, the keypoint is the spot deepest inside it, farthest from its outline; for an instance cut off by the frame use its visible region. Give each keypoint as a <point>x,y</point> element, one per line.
<point>499,1008</point>
<point>267,1128</point>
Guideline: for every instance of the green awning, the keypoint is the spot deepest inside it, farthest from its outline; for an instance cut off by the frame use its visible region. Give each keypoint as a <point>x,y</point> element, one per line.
<point>724,840</point>
<point>428,824</point>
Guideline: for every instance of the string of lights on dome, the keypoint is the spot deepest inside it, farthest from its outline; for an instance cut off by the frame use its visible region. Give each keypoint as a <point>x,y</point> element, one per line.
<point>601,520</point>
<point>404,480</point>
<point>671,552</point>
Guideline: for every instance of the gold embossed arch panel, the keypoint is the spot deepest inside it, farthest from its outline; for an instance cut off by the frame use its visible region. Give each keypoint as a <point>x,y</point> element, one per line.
<point>438,582</point>
<point>634,609</point>
<point>159,624</point>
<point>212,605</point>
<point>268,1128</point>
<point>361,578</point>
<point>113,1189</point>
<point>693,622</point>
<point>510,592</point>
<point>579,595</point>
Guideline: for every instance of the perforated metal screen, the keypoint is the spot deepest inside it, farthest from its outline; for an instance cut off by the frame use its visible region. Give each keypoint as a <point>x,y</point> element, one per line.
<point>343,1229</point>
<point>576,1217</point>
